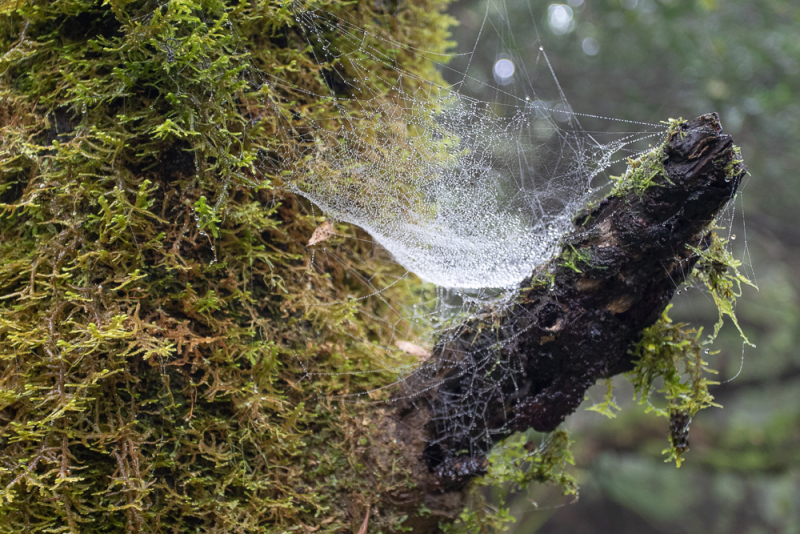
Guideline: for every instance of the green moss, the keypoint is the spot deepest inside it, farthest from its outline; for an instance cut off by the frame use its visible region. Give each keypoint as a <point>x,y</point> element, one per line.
<point>571,258</point>
<point>672,353</point>
<point>158,308</point>
<point>642,171</point>
<point>608,406</point>
<point>584,214</point>
<point>733,166</point>
<point>513,465</point>
<point>718,271</point>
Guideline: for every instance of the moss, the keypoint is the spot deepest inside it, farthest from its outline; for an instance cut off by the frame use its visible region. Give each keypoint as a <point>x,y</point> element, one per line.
<point>542,278</point>
<point>642,171</point>
<point>571,258</point>
<point>732,168</point>
<point>675,352</point>
<point>158,309</point>
<point>584,215</point>
<point>608,406</point>
<point>718,271</point>
<point>513,465</point>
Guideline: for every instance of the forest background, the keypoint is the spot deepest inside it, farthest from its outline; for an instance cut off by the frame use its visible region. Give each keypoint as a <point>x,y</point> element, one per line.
<point>650,60</point>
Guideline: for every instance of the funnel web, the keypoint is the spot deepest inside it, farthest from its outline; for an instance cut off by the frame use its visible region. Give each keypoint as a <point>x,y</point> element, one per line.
<point>463,193</point>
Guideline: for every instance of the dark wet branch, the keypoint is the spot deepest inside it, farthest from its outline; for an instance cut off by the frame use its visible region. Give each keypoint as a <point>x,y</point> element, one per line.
<point>529,365</point>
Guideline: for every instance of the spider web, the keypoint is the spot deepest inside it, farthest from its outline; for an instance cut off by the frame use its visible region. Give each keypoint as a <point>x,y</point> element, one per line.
<point>468,194</point>
<point>469,185</point>
<point>463,193</point>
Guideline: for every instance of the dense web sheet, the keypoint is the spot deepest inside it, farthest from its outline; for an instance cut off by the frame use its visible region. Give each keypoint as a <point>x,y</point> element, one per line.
<point>468,193</point>
<point>463,193</point>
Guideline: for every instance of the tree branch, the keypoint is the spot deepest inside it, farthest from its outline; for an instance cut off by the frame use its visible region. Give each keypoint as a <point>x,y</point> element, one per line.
<point>528,365</point>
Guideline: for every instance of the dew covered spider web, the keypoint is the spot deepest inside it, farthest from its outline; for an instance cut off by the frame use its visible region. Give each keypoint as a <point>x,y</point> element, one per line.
<point>468,184</point>
<point>464,193</point>
<point>469,194</point>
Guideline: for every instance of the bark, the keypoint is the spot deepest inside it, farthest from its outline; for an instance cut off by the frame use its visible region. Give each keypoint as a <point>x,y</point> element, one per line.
<point>564,334</point>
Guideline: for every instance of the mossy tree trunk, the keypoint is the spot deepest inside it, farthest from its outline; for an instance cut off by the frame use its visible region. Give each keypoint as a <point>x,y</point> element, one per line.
<point>158,313</point>
<point>156,299</point>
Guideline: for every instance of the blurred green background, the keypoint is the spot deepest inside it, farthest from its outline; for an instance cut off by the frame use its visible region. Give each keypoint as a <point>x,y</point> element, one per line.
<point>650,60</point>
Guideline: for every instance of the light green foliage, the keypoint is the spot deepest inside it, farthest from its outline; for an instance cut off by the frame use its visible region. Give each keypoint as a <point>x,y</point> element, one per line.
<point>673,354</point>
<point>640,174</point>
<point>609,406</point>
<point>542,279</point>
<point>642,170</point>
<point>206,217</point>
<point>480,517</point>
<point>518,461</point>
<point>571,258</point>
<point>158,311</point>
<point>669,358</point>
<point>719,272</point>
<point>513,465</point>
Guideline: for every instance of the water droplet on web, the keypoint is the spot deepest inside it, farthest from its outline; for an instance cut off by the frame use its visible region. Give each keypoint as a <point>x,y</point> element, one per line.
<point>466,193</point>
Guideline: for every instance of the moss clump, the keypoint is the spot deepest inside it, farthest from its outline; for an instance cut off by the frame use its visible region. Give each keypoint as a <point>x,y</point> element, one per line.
<point>158,308</point>
<point>642,171</point>
<point>513,465</point>
<point>675,352</point>
<point>718,271</point>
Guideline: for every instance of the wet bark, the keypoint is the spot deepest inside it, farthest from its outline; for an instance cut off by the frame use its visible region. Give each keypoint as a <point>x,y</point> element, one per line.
<point>572,325</point>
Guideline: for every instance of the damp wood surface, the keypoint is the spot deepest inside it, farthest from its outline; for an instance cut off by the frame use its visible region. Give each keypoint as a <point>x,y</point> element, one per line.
<point>578,325</point>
